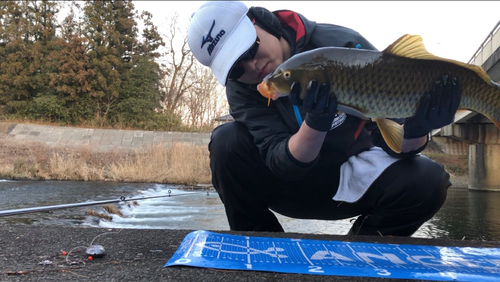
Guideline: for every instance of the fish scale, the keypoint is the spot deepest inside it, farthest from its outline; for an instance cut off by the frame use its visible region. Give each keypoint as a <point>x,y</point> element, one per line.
<point>369,95</point>
<point>406,81</point>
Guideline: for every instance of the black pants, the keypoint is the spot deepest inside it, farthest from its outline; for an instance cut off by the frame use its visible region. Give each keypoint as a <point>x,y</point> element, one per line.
<point>408,193</point>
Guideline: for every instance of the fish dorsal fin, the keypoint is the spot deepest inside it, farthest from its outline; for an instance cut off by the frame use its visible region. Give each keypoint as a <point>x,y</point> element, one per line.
<point>411,46</point>
<point>392,132</point>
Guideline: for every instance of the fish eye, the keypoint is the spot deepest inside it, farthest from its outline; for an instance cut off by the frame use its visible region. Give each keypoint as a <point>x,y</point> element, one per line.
<point>287,75</point>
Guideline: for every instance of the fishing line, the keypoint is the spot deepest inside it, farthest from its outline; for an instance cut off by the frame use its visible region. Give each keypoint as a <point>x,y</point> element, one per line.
<point>102,253</point>
<point>91,247</point>
<point>87,247</point>
<point>92,242</point>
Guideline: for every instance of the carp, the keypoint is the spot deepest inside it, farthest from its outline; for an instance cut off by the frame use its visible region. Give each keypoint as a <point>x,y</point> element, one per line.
<point>382,85</point>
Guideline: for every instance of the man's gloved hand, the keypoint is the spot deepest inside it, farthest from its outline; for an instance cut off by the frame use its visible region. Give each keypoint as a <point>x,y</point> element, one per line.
<point>321,107</point>
<point>436,109</point>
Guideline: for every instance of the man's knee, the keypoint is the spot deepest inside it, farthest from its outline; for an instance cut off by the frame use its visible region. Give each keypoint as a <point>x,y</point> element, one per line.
<point>228,137</point>
<point>431,181</point>
<point>431,173</point>
<point>414,182</point>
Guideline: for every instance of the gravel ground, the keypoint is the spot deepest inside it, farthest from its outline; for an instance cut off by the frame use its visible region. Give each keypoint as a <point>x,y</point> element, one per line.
<point>139,255</point>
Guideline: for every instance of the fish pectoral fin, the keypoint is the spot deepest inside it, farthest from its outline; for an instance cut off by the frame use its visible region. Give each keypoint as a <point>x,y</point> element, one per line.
<point>392,132</point>
<point>411,46</point>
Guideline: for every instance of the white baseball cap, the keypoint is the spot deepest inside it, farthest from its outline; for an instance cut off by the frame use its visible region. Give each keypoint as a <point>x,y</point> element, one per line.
<point>219,34</point>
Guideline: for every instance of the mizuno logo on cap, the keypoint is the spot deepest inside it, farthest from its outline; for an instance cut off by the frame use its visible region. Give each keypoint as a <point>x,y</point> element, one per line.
<point>209,38</point>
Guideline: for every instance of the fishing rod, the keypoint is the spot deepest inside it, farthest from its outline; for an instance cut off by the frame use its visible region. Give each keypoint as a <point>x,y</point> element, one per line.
<point>74,205</point>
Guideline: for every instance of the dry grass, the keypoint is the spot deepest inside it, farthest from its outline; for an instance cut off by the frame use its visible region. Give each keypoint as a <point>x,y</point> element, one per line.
<point>180,163</point>
<point>112,209</point>
<point>177,164</point>
<point>99,215</point>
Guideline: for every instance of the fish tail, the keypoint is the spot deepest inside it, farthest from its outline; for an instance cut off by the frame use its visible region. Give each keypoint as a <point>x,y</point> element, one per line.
<point>496,93</point>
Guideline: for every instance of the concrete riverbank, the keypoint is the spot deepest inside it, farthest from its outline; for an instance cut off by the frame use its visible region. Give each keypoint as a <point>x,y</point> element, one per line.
<point>98,139</point>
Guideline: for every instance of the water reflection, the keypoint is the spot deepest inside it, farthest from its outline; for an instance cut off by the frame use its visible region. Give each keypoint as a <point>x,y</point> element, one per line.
<point>469,215</point>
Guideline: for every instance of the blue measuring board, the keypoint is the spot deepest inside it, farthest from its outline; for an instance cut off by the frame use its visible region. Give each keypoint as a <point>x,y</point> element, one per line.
<point>224,251</point>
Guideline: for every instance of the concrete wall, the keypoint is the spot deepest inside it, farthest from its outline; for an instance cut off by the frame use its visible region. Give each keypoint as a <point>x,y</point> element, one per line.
<point>100,139</point>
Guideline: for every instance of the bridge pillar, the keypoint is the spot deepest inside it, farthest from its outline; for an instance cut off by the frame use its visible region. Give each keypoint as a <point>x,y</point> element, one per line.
<point>484,168</point>
<point>484,151</point>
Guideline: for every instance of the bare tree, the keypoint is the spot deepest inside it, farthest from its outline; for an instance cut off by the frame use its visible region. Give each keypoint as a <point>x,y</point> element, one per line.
<point>178,68</point>
<point>206,99</point>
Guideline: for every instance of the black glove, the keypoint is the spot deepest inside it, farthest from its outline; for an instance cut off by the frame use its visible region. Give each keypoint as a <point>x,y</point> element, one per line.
<point>436,109</point>
<point>321,107</point>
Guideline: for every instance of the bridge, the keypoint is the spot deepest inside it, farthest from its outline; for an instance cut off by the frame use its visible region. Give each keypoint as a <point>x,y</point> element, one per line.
<point>472,133</point>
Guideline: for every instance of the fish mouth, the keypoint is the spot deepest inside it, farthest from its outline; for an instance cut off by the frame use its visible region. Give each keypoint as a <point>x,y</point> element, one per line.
<point>268,91</point>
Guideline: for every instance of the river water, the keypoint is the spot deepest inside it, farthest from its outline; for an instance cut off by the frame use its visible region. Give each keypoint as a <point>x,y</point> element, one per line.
<point>467,215</point>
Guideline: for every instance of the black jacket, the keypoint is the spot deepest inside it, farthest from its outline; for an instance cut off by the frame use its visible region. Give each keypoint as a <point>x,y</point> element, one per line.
<point>272,127</point>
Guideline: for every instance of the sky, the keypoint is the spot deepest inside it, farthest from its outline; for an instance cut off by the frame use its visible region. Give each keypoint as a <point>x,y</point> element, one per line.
<point>450,29</point>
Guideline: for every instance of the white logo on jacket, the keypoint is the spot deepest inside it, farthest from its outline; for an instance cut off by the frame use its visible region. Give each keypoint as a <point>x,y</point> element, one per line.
<point>338,120</point>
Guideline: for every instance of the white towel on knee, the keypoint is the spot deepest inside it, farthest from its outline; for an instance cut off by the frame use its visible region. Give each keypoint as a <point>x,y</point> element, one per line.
<point>359,172</point>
